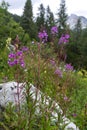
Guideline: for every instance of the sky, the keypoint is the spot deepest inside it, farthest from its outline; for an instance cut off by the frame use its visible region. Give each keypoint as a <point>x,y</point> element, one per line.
<point>78,7</point>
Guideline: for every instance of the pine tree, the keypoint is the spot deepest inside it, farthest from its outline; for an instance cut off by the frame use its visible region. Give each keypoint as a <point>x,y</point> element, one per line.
<point>27,19</point>
<point>4,5</point>
<point>62,18</point>
<point>41,17</point>
<point>78,29</point>
<point>49,17</point>
<point>50,21</point>
<point>74,50</point>
<point>78,35</point>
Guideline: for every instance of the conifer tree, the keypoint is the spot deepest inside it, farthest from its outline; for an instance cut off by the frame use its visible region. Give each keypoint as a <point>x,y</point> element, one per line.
<point>77,32</point>
<point>75,48</point>
<point>49,17</point>
<point>4,5</point>
<point>78,29</point>
<point>62,18</point>
<point>41,17</point>
<point>27,19</point>
<point>50,21</point>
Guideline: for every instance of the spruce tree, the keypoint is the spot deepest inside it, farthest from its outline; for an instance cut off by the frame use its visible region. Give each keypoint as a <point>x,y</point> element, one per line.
<point>27,19</point>
<point>74,49</point>
<point>78,29</point>
<point>62,18</point>
<point>4,5</point>
<point>50,21</point>
<point>77,32</point>
<point>49,17</point>
<point>41,17</point>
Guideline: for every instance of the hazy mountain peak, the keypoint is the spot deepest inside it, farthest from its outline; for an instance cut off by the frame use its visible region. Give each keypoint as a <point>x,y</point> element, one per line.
<point>72,20</point>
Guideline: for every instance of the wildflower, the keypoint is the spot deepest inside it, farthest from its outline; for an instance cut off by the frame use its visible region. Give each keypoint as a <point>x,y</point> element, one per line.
<point>11,55</point>
<point>68,67</point>
<point>52,62</point>
<point>24,48</point>
<point>66,98</point>
<point>43,36</point>
<point>16,58</point>
<point>19,53</point>
<point>22,63</point>
<point>11,63</point>
<point>67,36</point>
<point>16,61</point>
<point>54,30</point>
<point>74,115</point>
<point>64,38</point>
<point>58,72</point>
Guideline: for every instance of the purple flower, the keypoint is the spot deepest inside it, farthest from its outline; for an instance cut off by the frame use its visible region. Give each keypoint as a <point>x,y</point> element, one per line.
<point>69,67</point>
<point>22,63</point>
<point>11,63</point>
<point>24,48</point>
<point>65,98</point>
<point>16,61</point>
<point>54,30</point>
<point>43,35</point>
<point>74,115</point>
<point>40,35</point>
<point>16,58</point>
<point>67,36</point>
<point>11,55</point>
<point>58,72</point>
<point>64,38</point>
<point>52,62</point>
<point>19,53</point>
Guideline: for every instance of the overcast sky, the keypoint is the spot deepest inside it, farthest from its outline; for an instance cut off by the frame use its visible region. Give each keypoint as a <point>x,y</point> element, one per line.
<point>78,7</point>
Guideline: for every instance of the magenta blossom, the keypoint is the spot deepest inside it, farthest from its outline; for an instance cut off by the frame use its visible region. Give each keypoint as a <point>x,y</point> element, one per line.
<point>24,48</point>
<point>11,55</point>
<point>66,98</point>
<point>58,72</point>
<point>74,114</point>
<point>54,30</point>
<point>64,38</point>
<point>16,58</point>
<point>19,53</point>
<point>43,36</point>
<point>69,67</point>
<point>52,62</point>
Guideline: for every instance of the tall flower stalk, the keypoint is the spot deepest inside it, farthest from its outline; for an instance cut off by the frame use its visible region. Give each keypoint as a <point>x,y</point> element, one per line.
<point>16,60</point>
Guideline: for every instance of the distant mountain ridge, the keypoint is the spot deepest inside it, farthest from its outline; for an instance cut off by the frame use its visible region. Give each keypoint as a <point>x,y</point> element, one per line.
<point>72,20</point>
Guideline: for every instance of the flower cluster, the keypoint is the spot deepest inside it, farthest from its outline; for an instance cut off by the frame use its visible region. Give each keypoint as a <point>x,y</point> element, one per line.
<point>65,98</point>
<point>74,114</point>
<point>64,38</point>
<point>52,62</point>
<point>69,67</point>
<point>24,49</point>
<point>43,36</point>
<point>54,30</point>
<point>58,72</point>
<point>16,58</point>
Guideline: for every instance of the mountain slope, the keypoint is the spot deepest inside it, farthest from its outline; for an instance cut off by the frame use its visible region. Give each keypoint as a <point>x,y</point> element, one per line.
<point>72,20</point>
